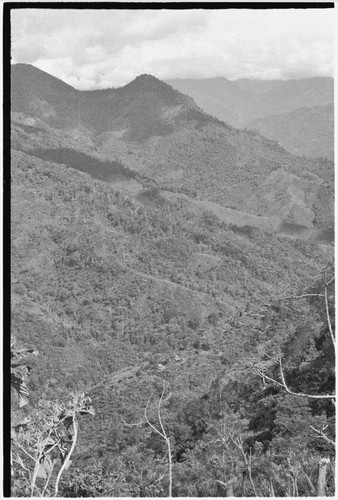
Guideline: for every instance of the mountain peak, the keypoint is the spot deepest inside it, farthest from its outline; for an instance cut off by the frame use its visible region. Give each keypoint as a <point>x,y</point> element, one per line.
<point>148,82</point>
<point>155,92</point>
<point>147,77</point>
<point>146,106</point>
<point>36,76</point>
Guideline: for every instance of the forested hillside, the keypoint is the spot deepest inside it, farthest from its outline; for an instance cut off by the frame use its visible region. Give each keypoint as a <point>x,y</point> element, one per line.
<point>195,317</point>
<point>306,131</point>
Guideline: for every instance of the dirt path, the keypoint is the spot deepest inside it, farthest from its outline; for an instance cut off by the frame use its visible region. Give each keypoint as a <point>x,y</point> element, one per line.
<point>161,280</point>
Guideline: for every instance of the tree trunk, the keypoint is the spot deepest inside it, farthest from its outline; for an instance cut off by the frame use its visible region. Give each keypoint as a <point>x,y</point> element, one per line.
<point>230,490</point>
<point>226,488</point>
<point>321,480</point>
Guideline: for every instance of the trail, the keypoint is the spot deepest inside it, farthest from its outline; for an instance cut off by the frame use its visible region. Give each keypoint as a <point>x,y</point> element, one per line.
<point>161,280</point>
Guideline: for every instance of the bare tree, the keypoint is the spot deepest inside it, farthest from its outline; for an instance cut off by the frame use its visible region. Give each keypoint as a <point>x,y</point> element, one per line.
<point>161,431</point>
<point>323,464</point>
<point>285,386</point>
<point>247,460</point>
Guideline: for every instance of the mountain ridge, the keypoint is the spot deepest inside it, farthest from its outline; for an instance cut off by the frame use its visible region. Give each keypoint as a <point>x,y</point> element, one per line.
<point>99,109</point>
<point>305,131</point>
<point>254,99</point>
<point>159,133</point>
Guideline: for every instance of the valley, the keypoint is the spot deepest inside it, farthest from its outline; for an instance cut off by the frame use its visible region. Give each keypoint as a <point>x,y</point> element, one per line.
<point>155,246</point>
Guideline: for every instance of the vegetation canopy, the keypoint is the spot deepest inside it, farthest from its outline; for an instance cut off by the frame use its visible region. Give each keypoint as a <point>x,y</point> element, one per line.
<point>175,275</point>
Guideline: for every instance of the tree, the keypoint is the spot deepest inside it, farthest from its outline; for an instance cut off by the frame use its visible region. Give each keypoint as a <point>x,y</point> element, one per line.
<point>325,296</point>
<point>160,431</point>
<point>42,443</point>
<point>20,371</point>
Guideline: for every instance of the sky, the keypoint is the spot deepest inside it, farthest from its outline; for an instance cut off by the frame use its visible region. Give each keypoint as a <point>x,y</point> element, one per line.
<point>108,48</point>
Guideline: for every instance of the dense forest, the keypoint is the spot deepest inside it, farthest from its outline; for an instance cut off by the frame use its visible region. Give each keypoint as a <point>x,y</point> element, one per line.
<point>125,296</point>
<point>164,344</point>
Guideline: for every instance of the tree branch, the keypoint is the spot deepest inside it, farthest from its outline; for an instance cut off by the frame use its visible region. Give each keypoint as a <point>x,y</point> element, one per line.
<point>149,423</point>
<point>159,411</point>
<point>328,282</point>
<point>309,481</point>
<point>37,464</point>
<point>48,479</point>
<point>65,463</point>
<point>328,317</point>
<point>284,385</point>
<point>23,449</point>
<point>131,425</point>
<point>162,434</point>
<point>322,435</point>
<point>247,461</point>
<point>19,461</point>
<point>304,296</point>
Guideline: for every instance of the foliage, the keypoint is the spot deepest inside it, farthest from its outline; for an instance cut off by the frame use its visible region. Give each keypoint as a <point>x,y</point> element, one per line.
<point>47,437</point>
<point>123,287</point>
<point>20,371</point>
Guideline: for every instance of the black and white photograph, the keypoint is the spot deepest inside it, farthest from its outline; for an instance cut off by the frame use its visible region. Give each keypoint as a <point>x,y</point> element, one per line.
<point>169,172</point>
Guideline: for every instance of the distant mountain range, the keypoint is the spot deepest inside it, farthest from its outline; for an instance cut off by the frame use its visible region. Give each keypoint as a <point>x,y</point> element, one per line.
<point>157,133</point>
<point>308,131</point>
<point>246,103</point>
<point>241,101</point>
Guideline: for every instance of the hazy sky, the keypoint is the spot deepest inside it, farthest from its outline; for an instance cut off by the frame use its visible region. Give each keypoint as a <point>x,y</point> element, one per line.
<point>108,48</point>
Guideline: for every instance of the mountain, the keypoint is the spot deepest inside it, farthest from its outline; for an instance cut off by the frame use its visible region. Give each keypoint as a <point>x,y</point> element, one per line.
<point>154,247</point>
<point>220,97</point>
<point>280,96</point>
<point>159,134</point>
<point>139,108</point>
<point>241,101</point>
<point>36,93</point>
<point>306,131</point>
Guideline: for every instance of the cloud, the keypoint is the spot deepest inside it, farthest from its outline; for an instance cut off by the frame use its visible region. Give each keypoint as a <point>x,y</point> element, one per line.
<point>108,48</point>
